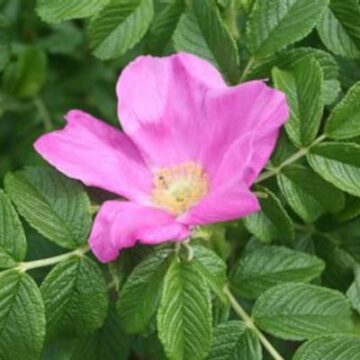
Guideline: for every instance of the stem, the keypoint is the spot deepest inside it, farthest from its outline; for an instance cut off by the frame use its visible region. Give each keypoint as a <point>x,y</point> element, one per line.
<point>302,152</point>
<point>25,266</point>
<point>247,68</point>
<point>251,325</point>
<point>44,114</point>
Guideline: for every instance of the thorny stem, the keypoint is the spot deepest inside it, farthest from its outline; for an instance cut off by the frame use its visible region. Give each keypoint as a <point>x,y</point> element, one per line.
<point>250,324</point>
<point>25,266</point>
<point>302,152</point>
<point>44,114</point>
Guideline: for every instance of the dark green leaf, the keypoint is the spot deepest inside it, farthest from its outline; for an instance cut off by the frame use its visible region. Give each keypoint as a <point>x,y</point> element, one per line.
<point>188,37</point>
<point>268,266</point>
<point>12,236</point>
<point>218,38</point>
<point>308,194</point>
<point>54,205</point>
<point>303,86</point>
<point>234,340</point>
<point>301,311</point>
<point>119,27</point>
<point>163,27</point>
<point>140,295</point>
<point>338,163</point>
<point>354,292</point>
<point>27,76</point>
<point>275,24</point>
<point>54,11</point>
<point>330,348</point>
<point>184,316</point>
<point>272,221</point>
<point>211,267</point>
<point>75,296</point>
<point>344,120</point>
<point>22,317</point>
<point>4,42</point>
<point>339,28</point>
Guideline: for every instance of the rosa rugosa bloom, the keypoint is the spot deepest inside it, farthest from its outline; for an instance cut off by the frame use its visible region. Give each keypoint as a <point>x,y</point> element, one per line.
<point>191,148</point>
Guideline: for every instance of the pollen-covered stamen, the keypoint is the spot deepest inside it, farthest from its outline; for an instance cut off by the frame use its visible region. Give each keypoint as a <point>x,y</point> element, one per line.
<point>178,187</point>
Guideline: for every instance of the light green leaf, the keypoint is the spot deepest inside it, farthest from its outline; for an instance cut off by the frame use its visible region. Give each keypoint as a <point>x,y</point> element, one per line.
<point>234,340</point>
<point>301,311</point>
<point>338,163</point>
<point>308,194</point>
<point>272,221</point>
<point>275,24</point>
<point>55,206</point>
<point>184,315</point>
<point>188,37</point>
<point>75,296</point>
<point>163,27</point>
<point>354,292</point>
<point>303,86</point>
<point>211,267</point>
<point>218,38</point>
<point>140,295</point>
<point>54,11</point>
<point>268,266</point>
<point>12,236</point>
<point>22,317</point>
<point>27,76</point>
<point>344,120</point>
<point>119,27</point>
<point>339,28</point>
<point>4,42</point>
<point>330,348</point>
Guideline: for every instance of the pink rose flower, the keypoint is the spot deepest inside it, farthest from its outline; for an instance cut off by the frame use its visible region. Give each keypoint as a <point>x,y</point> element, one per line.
<point>190,151</point>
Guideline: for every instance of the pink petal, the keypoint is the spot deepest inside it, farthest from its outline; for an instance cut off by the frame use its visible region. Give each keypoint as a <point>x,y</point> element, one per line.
<point>89,150</point>
<point>228,202</point>
<point>120,224</point>
<point>160,105</point>
<point>251,110</point>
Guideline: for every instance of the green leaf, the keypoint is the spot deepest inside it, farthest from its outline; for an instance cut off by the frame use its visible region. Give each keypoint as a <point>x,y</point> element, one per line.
<point>268,266</point>
<point>275,24</point>
<point>27,76</point>
<point>301,311</point>
<point>119,27</point>
<point>218,38</point>
<point>211,267</point>
<point>344,120</point>
<point>338,163</point>
<point>272,221</point>
<point>188,37</point>
<point>55,206</point>
<point>4,42</point>
<point>234,340</point>
<point>140,295</point>
<point>54,11</point>
<point>163,27</point>
<point>354,292</point>
<point>330,348</point>
<point>75,296</point>
<point>308,194</point>
<point>22,317</point>
<point>12,236</point>
<point>184,315</point>
<point>303,86</point>
<point>108,343</point>
<point>339,28</point>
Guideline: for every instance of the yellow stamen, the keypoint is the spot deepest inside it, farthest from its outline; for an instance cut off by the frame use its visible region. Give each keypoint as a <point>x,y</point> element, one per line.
<point>178,187</point>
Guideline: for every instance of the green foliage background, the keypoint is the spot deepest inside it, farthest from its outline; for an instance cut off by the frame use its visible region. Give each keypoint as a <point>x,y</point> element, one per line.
<point>281,284</point>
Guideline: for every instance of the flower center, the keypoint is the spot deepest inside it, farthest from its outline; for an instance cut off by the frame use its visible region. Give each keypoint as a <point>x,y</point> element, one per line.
<point>178,187</point>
